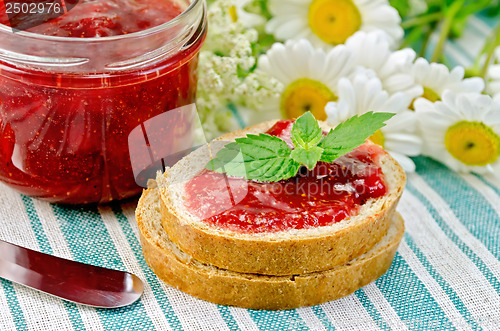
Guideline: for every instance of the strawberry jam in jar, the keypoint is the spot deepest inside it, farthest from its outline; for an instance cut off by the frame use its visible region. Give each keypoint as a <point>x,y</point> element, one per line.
<point>74,87</point>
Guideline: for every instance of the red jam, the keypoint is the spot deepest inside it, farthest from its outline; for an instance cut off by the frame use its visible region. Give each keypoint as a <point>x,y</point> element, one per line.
<point>64,136</point>
<point>324,196</point>
<point>99,18</point>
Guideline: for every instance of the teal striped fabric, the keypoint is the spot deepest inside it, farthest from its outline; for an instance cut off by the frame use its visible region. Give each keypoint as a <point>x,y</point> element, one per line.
<point>445,276</point>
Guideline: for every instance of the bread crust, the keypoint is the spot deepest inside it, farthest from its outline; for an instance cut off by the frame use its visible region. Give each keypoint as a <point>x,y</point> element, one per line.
<point>257,291</point>
<point>283,255</point>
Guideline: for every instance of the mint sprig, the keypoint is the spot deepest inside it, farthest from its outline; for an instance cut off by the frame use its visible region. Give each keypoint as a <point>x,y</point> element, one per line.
<point>306,135</point>
<point>269,159</point>
<point>306,132</point>
<point>259,157</point>
<point>350,134</point>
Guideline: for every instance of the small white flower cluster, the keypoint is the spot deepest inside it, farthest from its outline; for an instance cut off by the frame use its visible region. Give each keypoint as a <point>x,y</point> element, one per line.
<point>227,54</point>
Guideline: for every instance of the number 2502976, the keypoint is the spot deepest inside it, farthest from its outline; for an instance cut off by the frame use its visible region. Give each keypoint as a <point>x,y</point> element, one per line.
<point>33,8</point>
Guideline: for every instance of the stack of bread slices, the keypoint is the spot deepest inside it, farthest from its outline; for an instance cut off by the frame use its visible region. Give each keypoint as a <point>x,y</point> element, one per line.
<point>277,270</point>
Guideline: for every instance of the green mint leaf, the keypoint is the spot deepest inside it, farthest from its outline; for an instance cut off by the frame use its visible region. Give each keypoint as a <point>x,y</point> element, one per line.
<point>230,156</point>
<point>307,157</point>
<point>306,132</point>
<point>256,157</point>
<point>269,159</point>
<point>351,134</point>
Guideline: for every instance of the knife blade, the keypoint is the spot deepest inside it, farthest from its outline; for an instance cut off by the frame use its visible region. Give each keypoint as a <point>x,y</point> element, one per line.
<point>70,280</point>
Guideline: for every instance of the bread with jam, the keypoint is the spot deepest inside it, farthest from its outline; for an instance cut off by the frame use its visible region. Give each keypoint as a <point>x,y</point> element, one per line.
<point>307,245</point>
<point>253,291</point>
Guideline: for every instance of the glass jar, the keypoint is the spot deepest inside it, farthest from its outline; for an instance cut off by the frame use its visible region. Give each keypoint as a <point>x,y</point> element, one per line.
<point>68,105</point>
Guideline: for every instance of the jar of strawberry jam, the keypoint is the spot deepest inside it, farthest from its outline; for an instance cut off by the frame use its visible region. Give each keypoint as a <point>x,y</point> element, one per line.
<point>73,88</point>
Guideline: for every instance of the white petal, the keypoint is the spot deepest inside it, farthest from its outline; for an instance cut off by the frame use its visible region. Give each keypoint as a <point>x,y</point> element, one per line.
<point>290,29</point>
<point>407,144</point>
<point>494,71</point>
<point>347,94</point>
<point>339,63</point>
<point>397,103</point>
<point>267,67</point>
<point>316,64</point>
<point>406,163</point>
<point>338,112</point>
<point>404,121</point>
<point>474,84</point>
<point>275,22</point>
<point>457,72</point>
<point>398,82</point>
<point>250,20</point>
<point>466,107</point>
<point>494,88</point>
<point>423,105</point>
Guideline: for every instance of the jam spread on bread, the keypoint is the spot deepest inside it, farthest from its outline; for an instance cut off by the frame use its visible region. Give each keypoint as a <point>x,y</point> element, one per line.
<point>323,196</point>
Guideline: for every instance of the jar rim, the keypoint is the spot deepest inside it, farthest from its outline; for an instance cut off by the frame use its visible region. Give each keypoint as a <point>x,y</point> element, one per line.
<point>153,30</point>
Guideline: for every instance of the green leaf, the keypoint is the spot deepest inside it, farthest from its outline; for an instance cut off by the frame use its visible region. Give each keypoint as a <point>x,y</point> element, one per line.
<point>306,132</point>
<point>269,159</point>
<point>402,6</point>
<point>230,156</point>
<point>256,157</point>
<point>307,157</point>
<point>493,10</point>
<point>351,134</point>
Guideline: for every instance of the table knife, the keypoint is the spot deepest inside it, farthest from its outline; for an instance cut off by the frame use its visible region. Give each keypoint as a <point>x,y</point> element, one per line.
<point>70,280</point>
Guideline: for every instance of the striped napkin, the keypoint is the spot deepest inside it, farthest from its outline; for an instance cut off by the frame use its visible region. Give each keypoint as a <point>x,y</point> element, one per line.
<point>446,274</point>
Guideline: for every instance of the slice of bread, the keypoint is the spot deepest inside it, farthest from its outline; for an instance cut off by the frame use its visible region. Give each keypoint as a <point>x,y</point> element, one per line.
<point>224,287</point>
<point>279,253</point>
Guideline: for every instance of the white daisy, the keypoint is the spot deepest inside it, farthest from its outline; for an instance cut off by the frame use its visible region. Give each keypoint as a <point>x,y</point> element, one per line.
<point>372,51</point>
<point>331,22</point>
<point>462,131</point>
<point>493,76</point>
<point>364,93</point>
<point>308,76</point>
<point>435,78</point>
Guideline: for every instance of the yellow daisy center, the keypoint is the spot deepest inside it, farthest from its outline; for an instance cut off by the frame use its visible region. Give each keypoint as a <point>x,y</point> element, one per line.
<point>378,138</point>
<point>429,94</point>
<point>306,95</point>
<point>333,21</point>
<point>233,14</point>
<point>473,143</point>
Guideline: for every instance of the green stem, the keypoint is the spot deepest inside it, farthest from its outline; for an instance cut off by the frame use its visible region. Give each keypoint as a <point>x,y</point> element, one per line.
<point>485,50</point>
<point>412,35</point>
<point>446,28</point>
<point>421,20</point>
<point>496,35</point>
<point>426,39</point>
